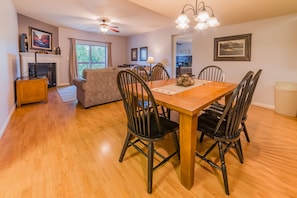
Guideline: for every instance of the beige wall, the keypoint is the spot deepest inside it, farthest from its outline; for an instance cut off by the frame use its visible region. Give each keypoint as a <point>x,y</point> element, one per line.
<point>9,66</point>
<point>60,37</point>
<point>25,22</point>
<point>274,49</point>
<point>159,46</point>
<point>119,48</point>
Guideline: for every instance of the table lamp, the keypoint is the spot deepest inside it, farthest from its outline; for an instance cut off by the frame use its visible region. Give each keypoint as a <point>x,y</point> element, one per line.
<point>151,61</point>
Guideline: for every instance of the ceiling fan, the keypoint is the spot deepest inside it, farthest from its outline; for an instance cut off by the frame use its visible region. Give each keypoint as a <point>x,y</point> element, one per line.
<point>105,26</point>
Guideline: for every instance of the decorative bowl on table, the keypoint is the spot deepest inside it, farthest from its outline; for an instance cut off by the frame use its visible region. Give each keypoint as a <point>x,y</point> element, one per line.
<point>185,80</point>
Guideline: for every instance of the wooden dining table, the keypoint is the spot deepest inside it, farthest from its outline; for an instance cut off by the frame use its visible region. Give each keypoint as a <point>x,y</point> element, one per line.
<point>189,103</point>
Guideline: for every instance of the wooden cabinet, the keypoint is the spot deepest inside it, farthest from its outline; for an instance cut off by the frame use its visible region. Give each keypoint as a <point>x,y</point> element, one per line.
<point>31,90</point>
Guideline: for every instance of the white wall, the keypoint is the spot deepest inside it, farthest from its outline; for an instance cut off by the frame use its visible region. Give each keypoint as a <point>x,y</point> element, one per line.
<point>8,61</point>
<point>274,49</point>
<point>184,49</point>
<point>119,47</point>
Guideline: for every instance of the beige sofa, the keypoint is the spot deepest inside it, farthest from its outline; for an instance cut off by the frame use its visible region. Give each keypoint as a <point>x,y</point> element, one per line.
<point>97,86</point>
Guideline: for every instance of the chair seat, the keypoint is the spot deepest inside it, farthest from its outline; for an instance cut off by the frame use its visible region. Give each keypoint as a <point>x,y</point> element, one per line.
<point>207,124</point>
<point>217,108</point>
<point>166,126</point>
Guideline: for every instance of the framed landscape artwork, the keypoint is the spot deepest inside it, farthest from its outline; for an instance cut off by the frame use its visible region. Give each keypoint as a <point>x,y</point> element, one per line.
<point>40,39</point>
<point>143,53</point>
<point>233,48</point>
<point>134,54</point>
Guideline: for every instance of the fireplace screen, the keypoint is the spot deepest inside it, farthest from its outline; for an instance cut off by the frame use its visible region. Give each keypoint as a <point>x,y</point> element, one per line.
<point>44,70</point>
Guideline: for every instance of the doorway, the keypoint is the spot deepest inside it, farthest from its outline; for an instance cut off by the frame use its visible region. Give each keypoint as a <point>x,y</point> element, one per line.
<point>182,54</point>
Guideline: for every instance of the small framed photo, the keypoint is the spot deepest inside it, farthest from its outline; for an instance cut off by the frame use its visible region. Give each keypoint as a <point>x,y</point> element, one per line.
<point>233,48</point>
<point>143,53</point>
<point>134,54</point>
<point>40,40</point>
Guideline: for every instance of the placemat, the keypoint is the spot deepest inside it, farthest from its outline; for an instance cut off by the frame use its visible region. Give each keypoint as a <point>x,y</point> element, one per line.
<point>174,89</point>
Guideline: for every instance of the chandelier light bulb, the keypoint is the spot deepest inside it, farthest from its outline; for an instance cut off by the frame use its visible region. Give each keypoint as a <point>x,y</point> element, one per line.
<point>182,19</point>
<point>182,26</point>
<point>202,16</point>
<point>212,21</point>
<point>201,26</point>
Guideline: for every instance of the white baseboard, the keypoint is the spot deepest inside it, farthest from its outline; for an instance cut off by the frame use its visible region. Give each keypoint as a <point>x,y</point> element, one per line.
<point>63,84</point>
<point>7,121</point>
<point>263,105</point>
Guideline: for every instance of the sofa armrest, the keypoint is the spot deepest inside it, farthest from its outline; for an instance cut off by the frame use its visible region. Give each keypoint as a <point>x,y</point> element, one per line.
<point>79,82</point>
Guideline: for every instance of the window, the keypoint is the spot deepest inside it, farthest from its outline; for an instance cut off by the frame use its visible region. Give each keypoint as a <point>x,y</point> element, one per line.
<point>92,55</point>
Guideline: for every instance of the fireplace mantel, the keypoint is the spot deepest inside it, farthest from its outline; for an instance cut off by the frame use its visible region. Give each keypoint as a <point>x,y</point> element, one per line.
<point>27,57</point>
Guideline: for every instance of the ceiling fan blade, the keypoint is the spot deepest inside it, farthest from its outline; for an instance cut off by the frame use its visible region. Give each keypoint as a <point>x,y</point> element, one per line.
<point>115,30</point>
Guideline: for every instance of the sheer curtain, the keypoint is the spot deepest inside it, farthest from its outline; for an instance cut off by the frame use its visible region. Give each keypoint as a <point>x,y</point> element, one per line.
<point>72,60</point>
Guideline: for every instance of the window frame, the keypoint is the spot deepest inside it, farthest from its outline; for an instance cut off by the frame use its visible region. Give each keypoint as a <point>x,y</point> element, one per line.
<point>90,62</point>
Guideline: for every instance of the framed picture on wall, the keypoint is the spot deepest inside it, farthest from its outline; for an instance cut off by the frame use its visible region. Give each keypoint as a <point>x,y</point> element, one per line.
<point>40,40</point>
<point>143,53</point>
<point>233,48</point>
<point>134,54</point>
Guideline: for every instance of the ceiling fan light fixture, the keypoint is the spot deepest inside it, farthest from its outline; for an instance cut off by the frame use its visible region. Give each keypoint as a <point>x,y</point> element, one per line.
<point>103,27</point>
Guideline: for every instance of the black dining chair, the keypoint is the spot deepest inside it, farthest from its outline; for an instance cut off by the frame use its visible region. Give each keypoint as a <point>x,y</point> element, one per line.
<point>218,108</point>
<point>212,72</point>
<point>225,129</point>
<point>159,72</point>
<point>145,125</point>
<point>141,71</point>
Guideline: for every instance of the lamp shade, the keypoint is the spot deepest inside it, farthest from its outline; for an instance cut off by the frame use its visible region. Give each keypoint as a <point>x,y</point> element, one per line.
<point>150,60</point>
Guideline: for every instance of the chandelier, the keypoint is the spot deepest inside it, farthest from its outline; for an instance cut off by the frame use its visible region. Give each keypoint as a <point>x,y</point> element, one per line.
<point>203,15</point>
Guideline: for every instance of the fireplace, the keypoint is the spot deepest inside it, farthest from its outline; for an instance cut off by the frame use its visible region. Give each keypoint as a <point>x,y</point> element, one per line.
<point>44,69</point>
<point>27,58</point>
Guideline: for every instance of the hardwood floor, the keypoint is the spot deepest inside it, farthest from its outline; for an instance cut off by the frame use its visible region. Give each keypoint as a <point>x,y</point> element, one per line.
<point>62,150</point>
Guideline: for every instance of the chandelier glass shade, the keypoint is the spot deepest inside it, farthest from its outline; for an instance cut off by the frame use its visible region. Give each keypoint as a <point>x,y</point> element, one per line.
<point>203,15</point>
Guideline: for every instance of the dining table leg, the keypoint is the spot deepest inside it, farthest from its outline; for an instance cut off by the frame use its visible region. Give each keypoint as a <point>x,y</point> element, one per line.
<point>188,133</point>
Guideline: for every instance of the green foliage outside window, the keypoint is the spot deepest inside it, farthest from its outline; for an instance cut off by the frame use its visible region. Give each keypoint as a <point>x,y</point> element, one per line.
<point>90,56</point>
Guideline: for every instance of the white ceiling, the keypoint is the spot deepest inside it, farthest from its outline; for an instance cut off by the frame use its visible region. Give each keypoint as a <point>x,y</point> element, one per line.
<point>139,16</point>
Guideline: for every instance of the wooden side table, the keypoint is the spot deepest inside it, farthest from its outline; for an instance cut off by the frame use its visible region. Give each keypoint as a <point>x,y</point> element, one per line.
<point>31,90</point>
